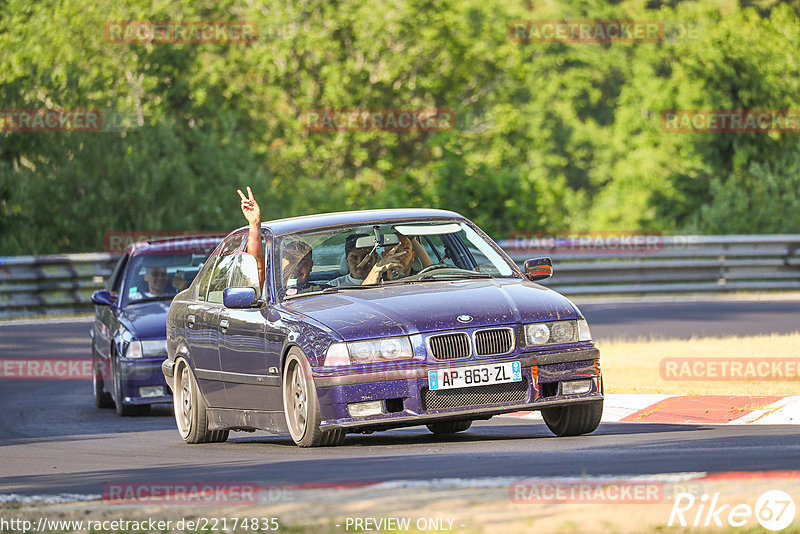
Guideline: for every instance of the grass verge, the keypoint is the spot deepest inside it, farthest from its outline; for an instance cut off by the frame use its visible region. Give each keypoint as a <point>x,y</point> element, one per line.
<point>636,366</point>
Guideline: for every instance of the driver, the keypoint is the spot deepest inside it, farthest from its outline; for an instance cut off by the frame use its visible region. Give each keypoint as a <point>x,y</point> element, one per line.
<point>399,262</point>
<point>156,278</point>
<point>359,262</point>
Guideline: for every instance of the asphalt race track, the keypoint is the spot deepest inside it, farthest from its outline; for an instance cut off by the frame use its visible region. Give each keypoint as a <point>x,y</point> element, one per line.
<point>55,441</point>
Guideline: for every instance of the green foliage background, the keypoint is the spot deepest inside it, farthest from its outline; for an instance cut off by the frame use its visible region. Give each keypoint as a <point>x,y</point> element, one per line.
<point>550,136</point>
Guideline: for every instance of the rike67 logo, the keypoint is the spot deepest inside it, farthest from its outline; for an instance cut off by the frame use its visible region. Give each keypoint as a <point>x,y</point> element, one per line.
<point>774,510</point>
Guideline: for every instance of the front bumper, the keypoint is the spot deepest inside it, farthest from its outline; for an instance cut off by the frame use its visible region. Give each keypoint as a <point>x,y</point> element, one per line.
<point>136,374</point>
<point>406,399</point>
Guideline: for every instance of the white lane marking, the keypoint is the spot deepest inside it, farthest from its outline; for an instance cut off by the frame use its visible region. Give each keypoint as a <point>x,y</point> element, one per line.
<point>619,406</point>
<point>785,411</point>
<point>616,406</point>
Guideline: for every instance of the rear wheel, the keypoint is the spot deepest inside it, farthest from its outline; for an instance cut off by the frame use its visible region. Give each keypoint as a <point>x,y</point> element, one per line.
<point>574,419</point>
<point>449,427</point>
<point>190,408</point>
<point>126,410</point>
<point>301,406</point>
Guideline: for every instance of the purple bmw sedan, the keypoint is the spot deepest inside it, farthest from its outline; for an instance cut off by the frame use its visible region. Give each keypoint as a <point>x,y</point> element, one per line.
<point>373,320</point>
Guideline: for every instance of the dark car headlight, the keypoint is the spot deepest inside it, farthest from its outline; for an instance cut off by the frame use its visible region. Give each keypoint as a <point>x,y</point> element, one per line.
<point>556,332</point>
<point>148,348</point>
<point>370,351</point>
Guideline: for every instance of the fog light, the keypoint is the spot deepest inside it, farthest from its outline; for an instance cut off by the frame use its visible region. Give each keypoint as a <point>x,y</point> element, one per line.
<point>363,409</point>
<point>151,391</point>
<point>576,387</point>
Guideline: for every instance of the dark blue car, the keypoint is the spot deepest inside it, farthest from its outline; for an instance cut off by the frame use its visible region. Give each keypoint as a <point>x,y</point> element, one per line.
<point>374,320</point>
<point>129,331</point>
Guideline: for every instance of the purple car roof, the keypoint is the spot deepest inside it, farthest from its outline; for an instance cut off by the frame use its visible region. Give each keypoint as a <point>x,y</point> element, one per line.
<point>310,222</point>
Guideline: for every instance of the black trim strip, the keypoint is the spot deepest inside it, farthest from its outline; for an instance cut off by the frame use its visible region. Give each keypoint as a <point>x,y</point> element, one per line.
<point>238,378</point>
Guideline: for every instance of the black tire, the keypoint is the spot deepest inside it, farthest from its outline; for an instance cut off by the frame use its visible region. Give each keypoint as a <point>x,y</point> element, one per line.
<point>102,398</point>
<point>301,406</point>
<point>448,427</point>
<point>574,419</point>
<point>190,406</point>
<point>125,410</point>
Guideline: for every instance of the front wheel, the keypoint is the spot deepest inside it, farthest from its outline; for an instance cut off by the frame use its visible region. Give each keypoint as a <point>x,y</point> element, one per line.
<point>301,406</point>
<point>190,408</point>
<point>574,419</point>
<point>449,427</point>
<point>102,398</point>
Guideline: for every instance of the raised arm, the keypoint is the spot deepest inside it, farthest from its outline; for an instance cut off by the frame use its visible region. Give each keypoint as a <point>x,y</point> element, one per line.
<point>252,212</point>
<point>421,253</point>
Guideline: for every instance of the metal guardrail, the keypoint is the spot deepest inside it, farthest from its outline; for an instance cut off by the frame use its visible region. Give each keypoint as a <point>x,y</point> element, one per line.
<point>36,285</point>
<point>51,285</point>
<point>670,264</point>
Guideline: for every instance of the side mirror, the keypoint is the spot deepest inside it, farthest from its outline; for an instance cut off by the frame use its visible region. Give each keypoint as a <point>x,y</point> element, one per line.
<point>538,269</point>
<point>238,297</point>
<point>102,297</point>
<point>245,274</point>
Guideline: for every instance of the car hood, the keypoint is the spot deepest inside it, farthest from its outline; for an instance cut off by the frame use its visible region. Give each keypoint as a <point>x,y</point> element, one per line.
<point>433,306</point>
<point>147,320</point>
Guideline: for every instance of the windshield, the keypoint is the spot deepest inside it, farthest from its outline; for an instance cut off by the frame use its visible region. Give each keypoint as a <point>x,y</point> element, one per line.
<point>160,276</point>
<point>365,256</point>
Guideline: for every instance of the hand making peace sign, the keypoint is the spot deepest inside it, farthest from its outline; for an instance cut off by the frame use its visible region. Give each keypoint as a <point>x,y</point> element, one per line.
<point>250,208</point>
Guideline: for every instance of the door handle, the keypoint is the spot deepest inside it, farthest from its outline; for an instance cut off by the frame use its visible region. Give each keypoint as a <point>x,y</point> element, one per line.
<point>223,325</point>
<point>190,320</point>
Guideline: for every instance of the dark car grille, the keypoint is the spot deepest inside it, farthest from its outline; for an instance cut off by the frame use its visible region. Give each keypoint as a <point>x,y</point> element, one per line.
<point>475,396</point>
<point>450,346</point>
<point>495,341</point>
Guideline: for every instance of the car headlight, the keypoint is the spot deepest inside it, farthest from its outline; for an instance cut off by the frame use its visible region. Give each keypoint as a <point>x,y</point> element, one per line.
<point>555,332</point>
<point>149,348</point>
<point>370,351</point>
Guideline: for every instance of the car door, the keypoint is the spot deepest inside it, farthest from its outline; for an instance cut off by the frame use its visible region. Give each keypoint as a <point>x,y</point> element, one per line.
<point>202,323</point>
<point>250,375</point>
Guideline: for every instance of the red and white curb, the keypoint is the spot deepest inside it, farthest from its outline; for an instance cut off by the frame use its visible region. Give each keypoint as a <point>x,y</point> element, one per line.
<point>700,409</point>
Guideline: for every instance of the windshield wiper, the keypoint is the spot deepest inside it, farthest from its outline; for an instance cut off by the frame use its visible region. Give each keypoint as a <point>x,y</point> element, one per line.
<point>453,276</point>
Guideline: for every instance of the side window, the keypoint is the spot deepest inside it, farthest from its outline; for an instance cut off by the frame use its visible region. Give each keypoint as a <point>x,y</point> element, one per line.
<point>211,276</point>
<point>220,277</point>
<point>115,279</point>
<point>205,277</point>
<point>437,250</point>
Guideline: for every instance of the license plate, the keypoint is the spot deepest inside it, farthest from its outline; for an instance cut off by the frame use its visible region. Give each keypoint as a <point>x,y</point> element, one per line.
<point>476,375</point>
